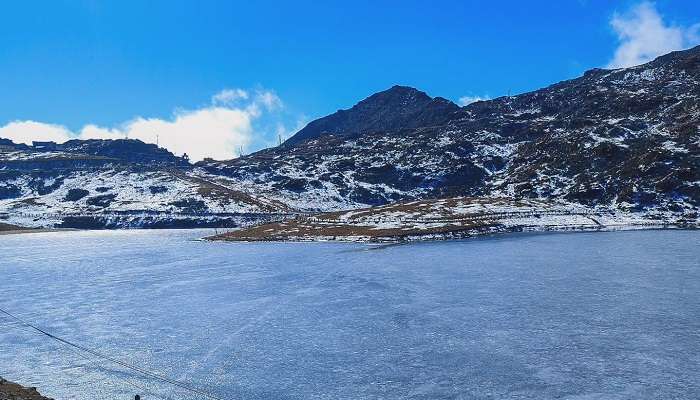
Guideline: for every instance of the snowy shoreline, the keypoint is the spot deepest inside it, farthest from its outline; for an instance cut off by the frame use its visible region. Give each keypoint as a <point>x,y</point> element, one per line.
<point>455,218</point>
<point>424,220</point>
<point>526,230</point>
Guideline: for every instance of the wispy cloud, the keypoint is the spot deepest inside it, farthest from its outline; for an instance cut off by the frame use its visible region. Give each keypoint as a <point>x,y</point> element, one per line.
<point>229,96</point>
<point>217,130</point>
<point>464,100</point>
<point>643,35</point>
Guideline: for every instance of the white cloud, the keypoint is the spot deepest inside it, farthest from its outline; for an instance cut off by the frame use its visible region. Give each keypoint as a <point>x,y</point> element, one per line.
<point>26,131</point>
<point>216,131</point>
<point>464,100</point>
<point>264,100</point>
<point>229,96</point>
<point>643,35</point>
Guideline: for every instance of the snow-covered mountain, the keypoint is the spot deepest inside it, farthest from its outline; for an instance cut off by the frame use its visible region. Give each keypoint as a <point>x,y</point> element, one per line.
<point>626,139</point>
<point>116,183</point>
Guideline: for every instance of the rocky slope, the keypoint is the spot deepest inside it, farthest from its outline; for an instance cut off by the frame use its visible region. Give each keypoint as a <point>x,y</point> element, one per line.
<point>398,108</point>
<point>625,139</point>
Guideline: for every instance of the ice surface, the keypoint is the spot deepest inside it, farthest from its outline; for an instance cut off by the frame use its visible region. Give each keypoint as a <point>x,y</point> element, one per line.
<point>577,315</point>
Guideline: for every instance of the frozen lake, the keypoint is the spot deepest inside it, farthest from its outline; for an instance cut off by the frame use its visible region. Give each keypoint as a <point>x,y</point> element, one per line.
<point>572,316</point>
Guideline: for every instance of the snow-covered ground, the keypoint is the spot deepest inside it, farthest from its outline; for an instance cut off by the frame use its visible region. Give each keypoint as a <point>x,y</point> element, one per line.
<point>45,200</point>
<point>457,217</point>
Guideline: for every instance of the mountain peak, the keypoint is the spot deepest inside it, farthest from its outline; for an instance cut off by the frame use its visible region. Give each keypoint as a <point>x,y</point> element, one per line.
<point>399,107</point>
<point>396,97</point>
<point>398,90</point>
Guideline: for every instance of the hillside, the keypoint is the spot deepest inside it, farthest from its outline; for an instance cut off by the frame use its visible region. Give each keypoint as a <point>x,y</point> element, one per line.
<point>626,139</point>
<point>113,184</point>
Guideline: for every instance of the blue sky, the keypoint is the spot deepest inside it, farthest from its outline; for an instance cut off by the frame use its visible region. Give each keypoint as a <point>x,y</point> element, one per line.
<point>105,64</point>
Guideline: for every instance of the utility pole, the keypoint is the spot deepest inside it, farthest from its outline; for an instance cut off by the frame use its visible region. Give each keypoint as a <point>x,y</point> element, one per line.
<point>157,140</point>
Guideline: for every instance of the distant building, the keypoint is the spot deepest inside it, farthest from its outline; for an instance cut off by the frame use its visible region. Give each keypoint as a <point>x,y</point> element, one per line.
<point>44,145</point>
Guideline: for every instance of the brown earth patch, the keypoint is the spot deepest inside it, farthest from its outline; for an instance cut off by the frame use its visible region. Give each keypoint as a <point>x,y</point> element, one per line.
<point>12,391</point>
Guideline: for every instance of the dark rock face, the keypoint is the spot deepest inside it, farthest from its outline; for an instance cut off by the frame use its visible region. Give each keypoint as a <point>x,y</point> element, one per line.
<point>397,108</point>
<point>101,201</point>
<point>190,205</point>
<point>76,194</point>
<point>157,189</point>
<point>627,138</point>
<point>9,191</point>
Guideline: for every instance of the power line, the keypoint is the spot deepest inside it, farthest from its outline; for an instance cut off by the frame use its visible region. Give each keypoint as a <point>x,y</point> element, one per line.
<point>139,370</point>
<point>95,353</point>
<point>144,390</point>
